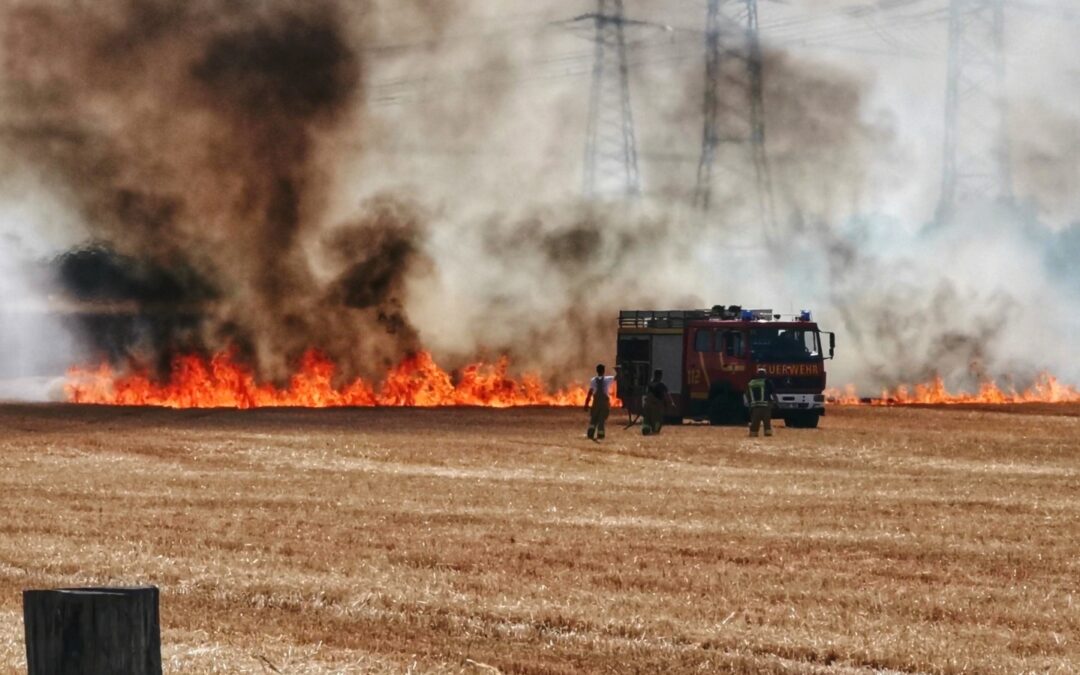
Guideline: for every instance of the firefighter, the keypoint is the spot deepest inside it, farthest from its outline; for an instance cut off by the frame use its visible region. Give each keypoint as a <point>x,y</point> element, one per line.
<point>656,396</point>
<point>759,398</point>
<point>600,397</point>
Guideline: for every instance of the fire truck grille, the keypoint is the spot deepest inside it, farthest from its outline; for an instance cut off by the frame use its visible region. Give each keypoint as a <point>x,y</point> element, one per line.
<point>798,384</point>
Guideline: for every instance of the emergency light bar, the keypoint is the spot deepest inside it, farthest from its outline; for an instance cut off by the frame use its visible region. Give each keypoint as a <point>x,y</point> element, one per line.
<point>767,315</point>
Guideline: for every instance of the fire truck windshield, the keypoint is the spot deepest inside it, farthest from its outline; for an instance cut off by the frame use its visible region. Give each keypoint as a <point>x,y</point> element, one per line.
<point>784,344</point>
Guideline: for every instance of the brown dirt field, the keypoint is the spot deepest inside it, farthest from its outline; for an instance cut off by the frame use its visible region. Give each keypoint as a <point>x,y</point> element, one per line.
<point>889,540</point>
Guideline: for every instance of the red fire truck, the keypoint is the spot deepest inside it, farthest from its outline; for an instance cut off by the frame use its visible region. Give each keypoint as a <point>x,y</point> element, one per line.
<point>709,356</point>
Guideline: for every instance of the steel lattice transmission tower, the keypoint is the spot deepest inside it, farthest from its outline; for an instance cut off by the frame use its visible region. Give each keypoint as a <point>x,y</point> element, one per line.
<point>732,43</point>
<point>611,159</point>
<point>976,162</point>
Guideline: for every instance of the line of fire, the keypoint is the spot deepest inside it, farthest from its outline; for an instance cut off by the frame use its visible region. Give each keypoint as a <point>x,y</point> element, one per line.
<point>707,357</point>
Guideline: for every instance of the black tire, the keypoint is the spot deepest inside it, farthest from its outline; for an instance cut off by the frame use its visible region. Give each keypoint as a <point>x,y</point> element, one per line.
<point>719,411</point>
<point>726,407</point>
<point>802,420</point>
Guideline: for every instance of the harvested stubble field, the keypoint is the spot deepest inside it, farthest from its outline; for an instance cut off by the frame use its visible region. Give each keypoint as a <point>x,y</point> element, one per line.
<point>910,540</point>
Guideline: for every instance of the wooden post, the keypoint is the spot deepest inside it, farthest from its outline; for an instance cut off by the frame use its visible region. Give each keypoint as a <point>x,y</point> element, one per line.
<point>74,631</point>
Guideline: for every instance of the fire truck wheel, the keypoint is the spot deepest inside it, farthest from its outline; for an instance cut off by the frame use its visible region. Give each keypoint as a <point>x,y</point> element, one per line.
<point>802,420</point>
<point>716,410</point>
<point>724,408</point>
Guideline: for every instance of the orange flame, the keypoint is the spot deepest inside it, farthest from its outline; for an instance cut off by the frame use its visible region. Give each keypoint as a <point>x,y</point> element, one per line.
<point>1045,389</point>
<point>847,396</point>
<point>221,382</point>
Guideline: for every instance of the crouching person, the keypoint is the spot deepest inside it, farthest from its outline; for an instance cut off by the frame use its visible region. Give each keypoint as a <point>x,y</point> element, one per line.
<point>656,398</point>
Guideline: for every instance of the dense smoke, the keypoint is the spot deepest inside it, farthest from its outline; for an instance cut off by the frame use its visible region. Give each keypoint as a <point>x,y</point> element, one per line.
<point>192,138</point>
<point>371,178</point>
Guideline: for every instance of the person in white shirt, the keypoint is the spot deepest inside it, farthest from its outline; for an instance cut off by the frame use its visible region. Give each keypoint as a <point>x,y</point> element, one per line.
<point>600,397</point>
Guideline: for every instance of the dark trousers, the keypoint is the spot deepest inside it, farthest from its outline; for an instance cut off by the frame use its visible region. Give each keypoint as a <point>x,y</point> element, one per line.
<point>598,414</point>
<point>761,414</point>
<point>652,415</point>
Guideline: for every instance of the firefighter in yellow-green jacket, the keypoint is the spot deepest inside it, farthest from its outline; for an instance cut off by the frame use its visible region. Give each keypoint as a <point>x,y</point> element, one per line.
<point>759,398</point>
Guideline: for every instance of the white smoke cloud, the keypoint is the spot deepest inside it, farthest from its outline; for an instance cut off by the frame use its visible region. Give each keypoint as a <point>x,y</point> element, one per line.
<point>975,299</point>
<point>36,344</point>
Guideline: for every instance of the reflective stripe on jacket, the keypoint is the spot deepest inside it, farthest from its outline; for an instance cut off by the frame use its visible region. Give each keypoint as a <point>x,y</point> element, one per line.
<point>756,393</point>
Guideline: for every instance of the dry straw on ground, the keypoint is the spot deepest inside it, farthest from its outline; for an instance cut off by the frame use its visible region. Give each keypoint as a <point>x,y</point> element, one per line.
<point>467,541</point>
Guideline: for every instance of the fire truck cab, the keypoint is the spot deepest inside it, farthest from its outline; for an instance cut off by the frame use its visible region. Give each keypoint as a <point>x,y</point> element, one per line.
<point>708,358</point>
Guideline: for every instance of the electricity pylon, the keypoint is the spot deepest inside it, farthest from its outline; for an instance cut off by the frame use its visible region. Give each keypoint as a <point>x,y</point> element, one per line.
<point>611,159</point>
<point>976,162</point>
<point>731,37</point>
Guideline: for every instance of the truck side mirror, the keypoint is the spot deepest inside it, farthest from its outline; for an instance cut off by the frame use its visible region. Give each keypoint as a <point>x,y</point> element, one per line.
<point>832,345</point>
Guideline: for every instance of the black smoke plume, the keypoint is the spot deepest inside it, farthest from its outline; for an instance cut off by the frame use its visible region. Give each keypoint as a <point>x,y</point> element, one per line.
<point>194,138</point>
